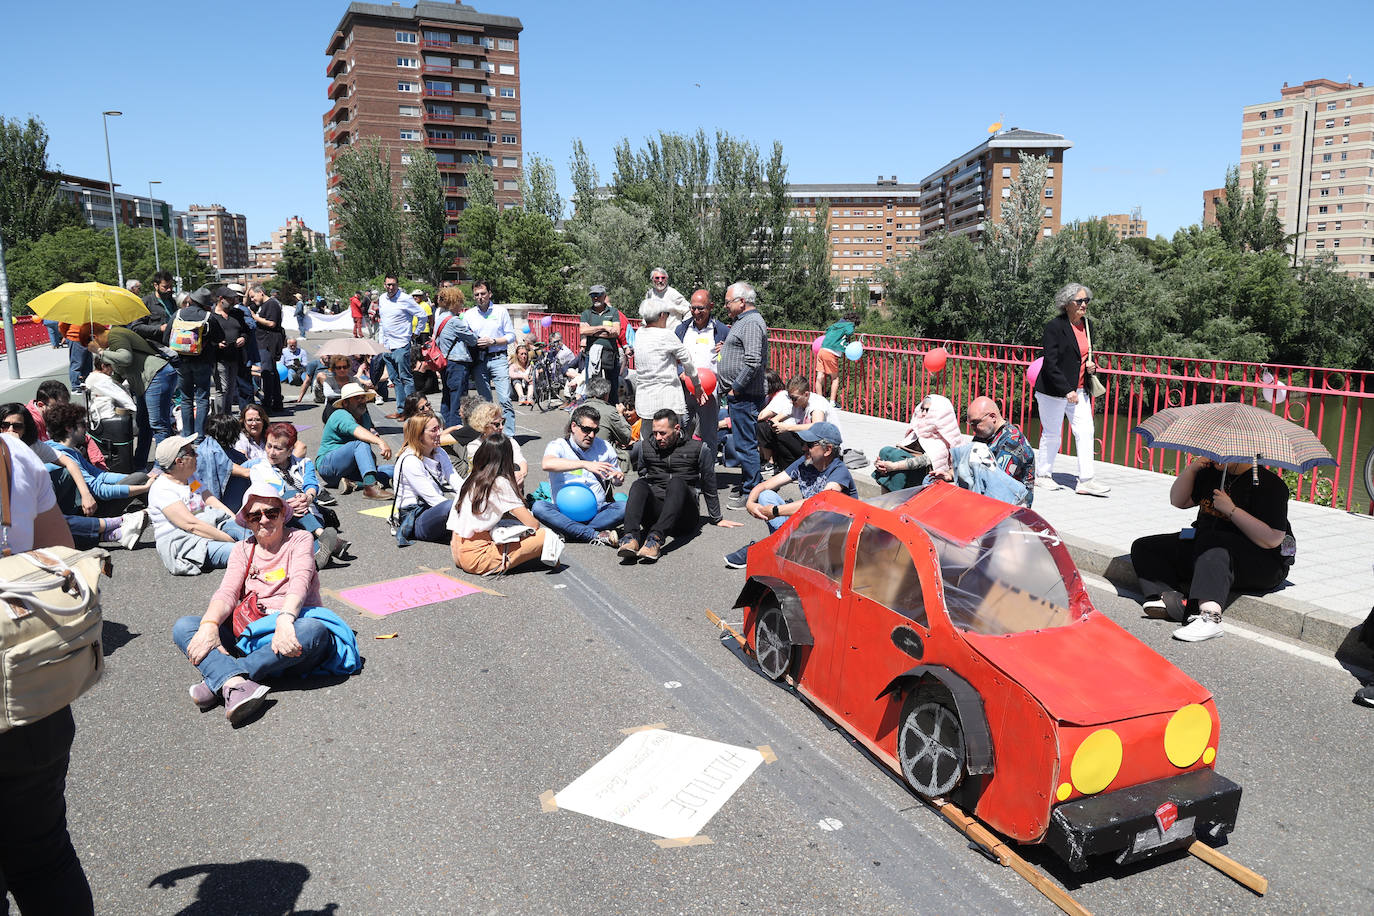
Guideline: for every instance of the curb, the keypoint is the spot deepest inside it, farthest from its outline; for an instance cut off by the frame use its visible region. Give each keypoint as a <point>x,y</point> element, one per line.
<point>1296,620</point>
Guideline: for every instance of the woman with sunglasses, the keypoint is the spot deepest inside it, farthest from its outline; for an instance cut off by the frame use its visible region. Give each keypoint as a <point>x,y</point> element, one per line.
<point>425,484</point>
<point>488,497</point>
<point>301,489</point>
<point>275,565</point>
<point>488,420</point>
<point>1061,390</point>
<point>194,531</point>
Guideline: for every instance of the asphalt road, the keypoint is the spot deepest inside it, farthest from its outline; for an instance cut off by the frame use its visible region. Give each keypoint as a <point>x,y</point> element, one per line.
<point>414,787</point>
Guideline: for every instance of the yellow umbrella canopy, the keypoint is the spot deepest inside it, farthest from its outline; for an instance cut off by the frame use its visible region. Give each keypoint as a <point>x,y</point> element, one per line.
<point>81,303</point>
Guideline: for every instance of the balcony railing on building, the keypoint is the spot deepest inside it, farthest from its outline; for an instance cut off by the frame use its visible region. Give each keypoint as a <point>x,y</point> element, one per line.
<point>890,380</point>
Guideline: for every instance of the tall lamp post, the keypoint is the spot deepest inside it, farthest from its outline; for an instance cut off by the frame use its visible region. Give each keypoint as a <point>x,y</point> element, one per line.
<point>157,260</point>
<point>114,211</point>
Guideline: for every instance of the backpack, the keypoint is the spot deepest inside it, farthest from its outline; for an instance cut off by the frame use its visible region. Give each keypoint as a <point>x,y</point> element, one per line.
<point>188,334</point>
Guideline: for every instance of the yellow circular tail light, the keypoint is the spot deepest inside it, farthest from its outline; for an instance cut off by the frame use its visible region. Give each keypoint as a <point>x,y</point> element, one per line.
<point>1096,762</point>
<point>1187,734</point>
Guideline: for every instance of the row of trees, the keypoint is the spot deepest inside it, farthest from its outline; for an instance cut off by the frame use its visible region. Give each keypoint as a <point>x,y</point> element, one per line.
<point>1224,292</point>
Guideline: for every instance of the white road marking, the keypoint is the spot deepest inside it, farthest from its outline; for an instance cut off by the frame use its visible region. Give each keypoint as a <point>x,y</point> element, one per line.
<point>672,685</point>
<point>829,823</point>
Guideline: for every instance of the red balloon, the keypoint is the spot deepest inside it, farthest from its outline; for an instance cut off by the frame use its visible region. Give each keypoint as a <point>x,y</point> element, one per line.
<point>708,382</point>
<point>935,360</point>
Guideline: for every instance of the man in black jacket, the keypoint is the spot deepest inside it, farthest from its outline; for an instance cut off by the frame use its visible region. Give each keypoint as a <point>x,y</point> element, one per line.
<point>664,498</point>
<point>271,340</point>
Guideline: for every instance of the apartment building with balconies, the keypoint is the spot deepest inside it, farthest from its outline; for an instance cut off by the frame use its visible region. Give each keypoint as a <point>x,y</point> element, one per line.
<point>439,76</point>
<point>968,192</point>
<point>1316,143</point>
<point>219,236</point>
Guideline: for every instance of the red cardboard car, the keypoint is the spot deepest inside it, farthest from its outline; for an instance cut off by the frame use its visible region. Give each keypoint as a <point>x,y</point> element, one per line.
<point>951,635</point>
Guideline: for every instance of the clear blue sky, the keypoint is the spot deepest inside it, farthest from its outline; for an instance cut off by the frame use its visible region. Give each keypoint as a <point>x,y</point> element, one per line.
<point>222,101</point>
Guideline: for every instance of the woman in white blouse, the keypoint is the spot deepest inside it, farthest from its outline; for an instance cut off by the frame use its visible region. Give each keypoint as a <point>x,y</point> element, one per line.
<point>659,359</point>
<point>424,484</point>
<point>487,497</point>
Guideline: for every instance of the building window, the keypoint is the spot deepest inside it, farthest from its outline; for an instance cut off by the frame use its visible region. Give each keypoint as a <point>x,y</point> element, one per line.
<point>1273,182</point>
<point>509,185</point>
<point>508,69</point>
<point>1048,233</point>
<point>1261,131</point>
<point>1345,122</point>
<point>467,87</point>
<point>465,63</point>
<point>1321,209</point>
<point>406,158</point>
<point>1049,192</point>
<point>507,92</point>
<point>507,116</point>
<point>490,138</point>
<point>1049,211</point>
<point>1274,164</point>
<point>1345,138</point>
<point>1330,122</point>
<point>406,86</point>
<point>488,43</point>
<point>1330,106</point>
<point>467,135</point>
<point>505,44</point>
<point>463,40</point>
<point>1321,227</point>
<point>1324,192</point>
<point>1277,146</point>
<point>510,162</point>
<point>410,63</point>
<point>410,111</point>
<point>406,38</point>
<point>1326,157</point>
<point>1278,112</point>
<point>1264,115</point>
<point>410,135</point>
<point>1006,193</point>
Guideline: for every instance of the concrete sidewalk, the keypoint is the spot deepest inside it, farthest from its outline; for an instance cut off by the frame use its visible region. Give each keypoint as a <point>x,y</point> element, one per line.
<point>1328,592</point>
<point>34,362</point>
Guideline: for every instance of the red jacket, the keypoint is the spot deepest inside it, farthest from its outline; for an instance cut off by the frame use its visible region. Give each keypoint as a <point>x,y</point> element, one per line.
<point>355,305</point>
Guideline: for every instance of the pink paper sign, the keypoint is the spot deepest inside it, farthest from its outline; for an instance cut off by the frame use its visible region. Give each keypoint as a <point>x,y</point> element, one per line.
<point>383,598</point>
<point>302,427</point>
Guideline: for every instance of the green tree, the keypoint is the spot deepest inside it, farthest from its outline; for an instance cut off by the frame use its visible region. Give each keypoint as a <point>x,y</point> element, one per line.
<point>295,266</point>
<point>617,245</point>
<point>31,204</point>
<point>1245,222</point>
<point>369,222</point>
<point>585,181</point>
<point>539,189</point>
<point>533,257</point>
<point>800,291</point>
<point>430,252</point>
<point>1334,307</point>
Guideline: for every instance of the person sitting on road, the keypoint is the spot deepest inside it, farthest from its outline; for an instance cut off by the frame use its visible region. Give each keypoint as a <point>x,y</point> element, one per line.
<point>1240,539</point>
<point>104,493</point>
<point>521,375</point>
<point>87,531</point>
<point>925,447</point>
<point>419,405</point>
<point>345,454</point>
<point>194,531</point>
<point>819,469</point>
<point>583,457</point>
<point>488,497</point>
<point>300,487</point>
<point>487,418</point>
<point>297,362</point>
<point>663,500</point>
<point>1011,452</point>
<point>338,371</point>
<point>425,484</point>
<point>789,412</point>
<point>296,635</point>
<point>613,428</point>
<point>50,394</point>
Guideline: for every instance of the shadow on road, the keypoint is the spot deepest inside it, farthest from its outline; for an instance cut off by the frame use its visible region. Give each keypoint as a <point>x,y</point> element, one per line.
<point>115,636</point>
<point>257,886</point>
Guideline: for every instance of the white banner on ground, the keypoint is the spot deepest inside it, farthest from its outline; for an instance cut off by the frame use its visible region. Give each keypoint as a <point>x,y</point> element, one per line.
<point>661,782</point>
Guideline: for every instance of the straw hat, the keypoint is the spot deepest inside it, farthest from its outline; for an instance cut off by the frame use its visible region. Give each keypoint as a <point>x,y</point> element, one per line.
<point>354,390</point>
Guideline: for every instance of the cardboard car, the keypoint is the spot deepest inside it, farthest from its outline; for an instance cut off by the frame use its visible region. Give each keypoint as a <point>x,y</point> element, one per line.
<point>951,635</point>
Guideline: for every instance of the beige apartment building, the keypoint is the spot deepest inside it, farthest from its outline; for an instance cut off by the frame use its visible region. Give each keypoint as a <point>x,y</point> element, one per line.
<point>1127,225</point>
<point>1317,143</point>
<point>436,75</point>
<point>967,192</point>
<point>265,255</point>
<point>871,225</point>
<point>221,237</point>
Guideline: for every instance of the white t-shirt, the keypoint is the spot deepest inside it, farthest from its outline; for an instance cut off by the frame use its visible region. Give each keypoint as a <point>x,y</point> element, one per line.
<point>31,494</point>
<point>516,457</point>
<point>783,407</point>
<point>502,498</point>
<point>601,450</point>
<point>701,343</point>
<point>167,490</point>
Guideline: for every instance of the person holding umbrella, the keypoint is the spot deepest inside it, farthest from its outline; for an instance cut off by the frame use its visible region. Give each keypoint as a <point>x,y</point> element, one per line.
<point>1241,537</point>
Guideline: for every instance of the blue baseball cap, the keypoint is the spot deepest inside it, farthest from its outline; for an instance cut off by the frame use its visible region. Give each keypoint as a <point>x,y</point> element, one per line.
<point>821,432</point>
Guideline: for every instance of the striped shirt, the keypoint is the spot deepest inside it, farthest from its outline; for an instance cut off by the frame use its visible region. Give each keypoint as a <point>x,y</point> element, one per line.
<point>745,356</point>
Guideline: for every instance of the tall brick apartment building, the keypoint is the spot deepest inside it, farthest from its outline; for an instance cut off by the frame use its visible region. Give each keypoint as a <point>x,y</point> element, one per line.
<point>437,75</point>
<point>1317,143</point>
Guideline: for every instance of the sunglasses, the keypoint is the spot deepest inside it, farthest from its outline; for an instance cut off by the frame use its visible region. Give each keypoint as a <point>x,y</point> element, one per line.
<point>269,514</point>
<point>588,429</point>
<point>1082,301</point>
<point>11,427</point>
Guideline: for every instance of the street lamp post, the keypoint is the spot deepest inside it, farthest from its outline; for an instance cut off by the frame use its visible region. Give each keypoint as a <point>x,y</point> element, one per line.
<point>176,259</point>
<point>114,211</point>
<point>157,260</point>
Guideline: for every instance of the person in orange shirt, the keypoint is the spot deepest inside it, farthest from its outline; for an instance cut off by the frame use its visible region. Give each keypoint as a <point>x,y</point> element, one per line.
<point>79,358</point>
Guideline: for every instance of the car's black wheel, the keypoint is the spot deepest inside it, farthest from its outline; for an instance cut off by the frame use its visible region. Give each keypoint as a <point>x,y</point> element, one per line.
<point>773,642</point>
<point>930,744</point>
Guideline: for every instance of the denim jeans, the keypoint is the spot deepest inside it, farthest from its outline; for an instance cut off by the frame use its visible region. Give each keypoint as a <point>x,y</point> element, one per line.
<point>771,498</point>
<point>610,515</point>
<point>744,419</point>
<point>78,364</point>
<point>155,413</point>
<point>493,373</point>
<point>37,862</point>
<point>432,525</point>
<point>455,386</point>
<point>85,530</point>
<point>374,372</point>
<point>315,639</point>
<point>54,335</point>
<point>353,460</point>
<point>398,367</point>
<point>195,377</point>
<point>109,486</point>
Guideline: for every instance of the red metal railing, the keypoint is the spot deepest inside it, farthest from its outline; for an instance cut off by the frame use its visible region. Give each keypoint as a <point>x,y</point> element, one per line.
<point>890,380</point>
<point>27,333</point>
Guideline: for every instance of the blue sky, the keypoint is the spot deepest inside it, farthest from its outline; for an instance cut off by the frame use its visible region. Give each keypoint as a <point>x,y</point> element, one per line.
<point>1150,94</point>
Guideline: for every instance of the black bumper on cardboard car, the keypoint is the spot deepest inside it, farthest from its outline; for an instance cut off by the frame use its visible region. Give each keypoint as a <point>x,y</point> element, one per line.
<point>1138,822</point>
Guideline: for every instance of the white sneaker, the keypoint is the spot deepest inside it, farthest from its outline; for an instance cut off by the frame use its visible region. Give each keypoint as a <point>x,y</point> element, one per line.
<point>1047,484</point>
<point>131,528</point>
<point>1091,487</point>
<point>1204,626</point>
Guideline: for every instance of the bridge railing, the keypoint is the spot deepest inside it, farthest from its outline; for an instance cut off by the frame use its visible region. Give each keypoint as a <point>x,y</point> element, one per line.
<point>890,379</point>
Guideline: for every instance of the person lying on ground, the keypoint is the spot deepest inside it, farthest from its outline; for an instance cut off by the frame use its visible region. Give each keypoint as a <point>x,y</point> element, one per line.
<point>296,636</point>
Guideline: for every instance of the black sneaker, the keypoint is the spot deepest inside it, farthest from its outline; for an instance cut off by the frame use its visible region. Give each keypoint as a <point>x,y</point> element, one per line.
<point>1365,695</point>
<point>739,558</point>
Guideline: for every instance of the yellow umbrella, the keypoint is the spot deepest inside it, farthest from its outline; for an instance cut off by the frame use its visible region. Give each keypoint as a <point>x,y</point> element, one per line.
<point>81,303</point>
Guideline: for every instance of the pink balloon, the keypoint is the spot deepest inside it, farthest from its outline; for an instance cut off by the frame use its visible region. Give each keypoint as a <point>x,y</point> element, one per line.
<point>1033,371</point>
<point>935,360</point>
<point>816,344</point>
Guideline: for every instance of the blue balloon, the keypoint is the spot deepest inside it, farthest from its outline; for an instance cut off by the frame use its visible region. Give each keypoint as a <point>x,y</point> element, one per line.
<point>281,372</point>
<point>576,501</point>
<point>854,351</point>
<point>525,328</point>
